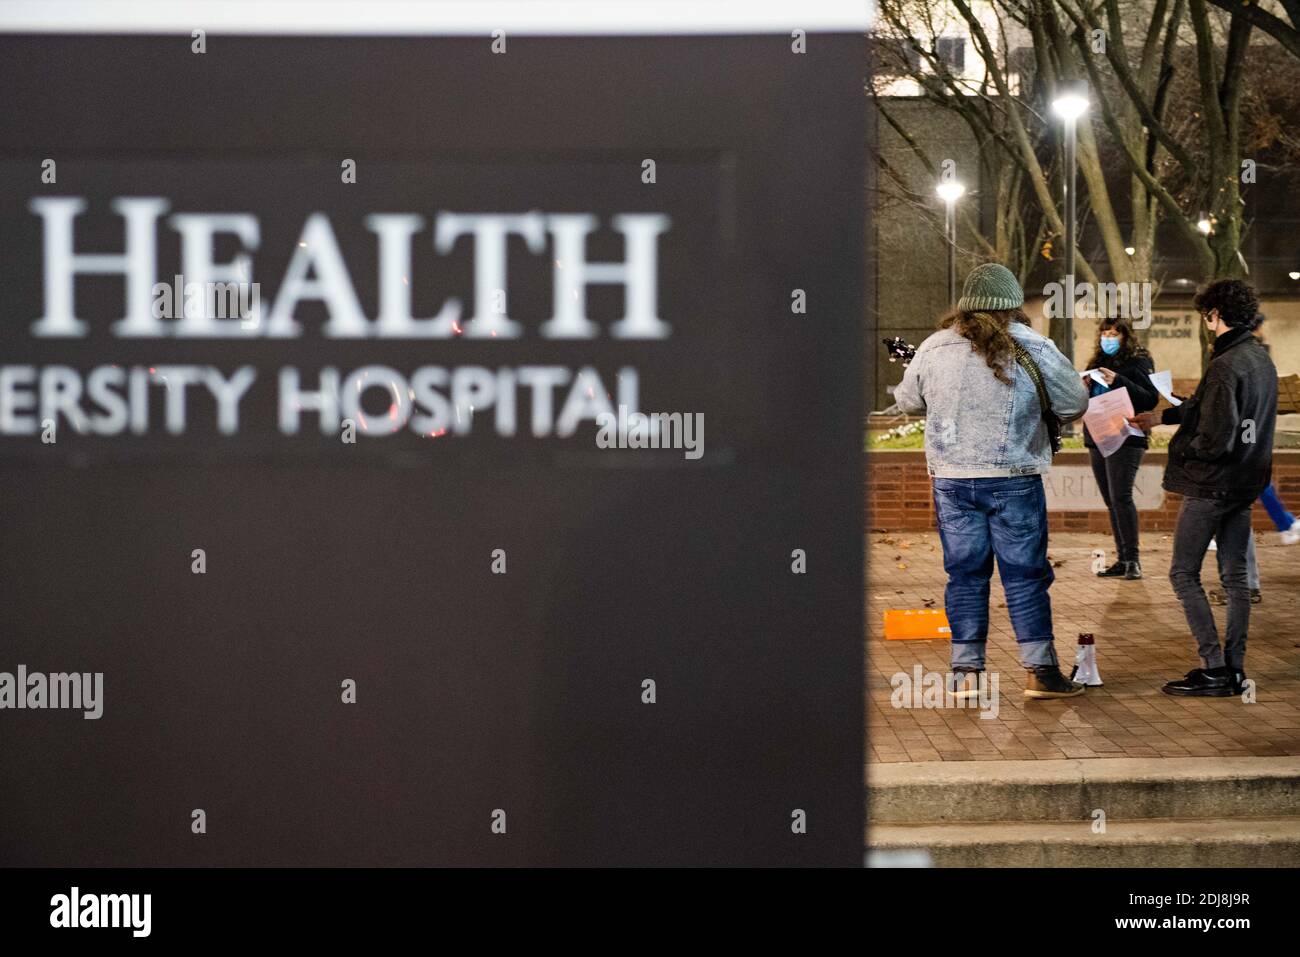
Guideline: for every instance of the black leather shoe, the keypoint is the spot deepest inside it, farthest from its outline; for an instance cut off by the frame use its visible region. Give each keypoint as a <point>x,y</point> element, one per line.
<point>1238,681</point>
<point>1199,683</point>
<point>1115,571</point>
<point>1132,571</point>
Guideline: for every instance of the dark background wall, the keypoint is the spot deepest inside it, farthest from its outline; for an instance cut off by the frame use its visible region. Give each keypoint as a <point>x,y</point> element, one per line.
<point>475,691</point>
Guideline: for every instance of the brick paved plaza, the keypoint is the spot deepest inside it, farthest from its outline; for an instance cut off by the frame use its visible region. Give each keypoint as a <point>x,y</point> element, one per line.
<point>1142,641</point>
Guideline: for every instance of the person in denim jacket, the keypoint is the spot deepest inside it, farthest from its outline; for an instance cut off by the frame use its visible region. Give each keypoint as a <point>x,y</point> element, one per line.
<point>987,448</point>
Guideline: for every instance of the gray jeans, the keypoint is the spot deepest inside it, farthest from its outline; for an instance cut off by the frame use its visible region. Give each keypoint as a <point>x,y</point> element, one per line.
<point>1252,564</point>
<point>1228,522</point>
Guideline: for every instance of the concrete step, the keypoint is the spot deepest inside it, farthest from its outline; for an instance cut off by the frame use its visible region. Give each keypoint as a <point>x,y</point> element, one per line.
<point>1126,789</point>
<point>1232,842</point>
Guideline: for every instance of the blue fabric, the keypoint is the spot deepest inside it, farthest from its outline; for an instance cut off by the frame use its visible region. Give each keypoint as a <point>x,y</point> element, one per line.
<point>981,519</point>
<point>1110,346</point>
<point>1282,519</point>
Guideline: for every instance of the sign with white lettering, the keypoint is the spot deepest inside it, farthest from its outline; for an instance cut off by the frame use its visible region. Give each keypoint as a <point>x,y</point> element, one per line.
<point>445,457</point>
<point>1073,488</point>
<point>410,325</point>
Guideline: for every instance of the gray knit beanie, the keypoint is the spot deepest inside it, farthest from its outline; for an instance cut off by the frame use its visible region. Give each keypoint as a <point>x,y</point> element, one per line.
<point>990,287</point>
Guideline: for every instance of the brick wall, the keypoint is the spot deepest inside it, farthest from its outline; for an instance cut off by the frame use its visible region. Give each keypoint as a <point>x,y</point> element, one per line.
<point>898,495</point>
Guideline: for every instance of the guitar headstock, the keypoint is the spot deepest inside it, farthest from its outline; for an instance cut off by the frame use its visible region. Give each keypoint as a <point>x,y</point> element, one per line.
<point>900,350</point>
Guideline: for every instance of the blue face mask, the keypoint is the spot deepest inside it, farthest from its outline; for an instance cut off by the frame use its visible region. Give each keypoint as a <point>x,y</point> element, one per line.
<point>1110,346</point>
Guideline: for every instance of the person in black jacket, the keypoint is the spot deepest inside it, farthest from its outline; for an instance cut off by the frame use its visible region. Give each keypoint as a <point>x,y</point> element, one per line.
<point>1124,365</point>
<point>1220,460</point>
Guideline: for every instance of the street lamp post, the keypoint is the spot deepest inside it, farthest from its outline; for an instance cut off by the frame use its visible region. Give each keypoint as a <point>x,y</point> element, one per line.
<point>1069,107</point>
<point>950,191</point>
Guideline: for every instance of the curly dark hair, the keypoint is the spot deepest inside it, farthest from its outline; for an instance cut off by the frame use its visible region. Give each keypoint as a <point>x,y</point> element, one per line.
<point>1236,302</point>
<point>1129,348</point>
<point>989,335</point>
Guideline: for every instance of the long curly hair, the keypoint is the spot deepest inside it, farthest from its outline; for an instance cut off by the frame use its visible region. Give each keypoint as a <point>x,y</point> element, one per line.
<point>1129,348</point>
<point>989,334</point>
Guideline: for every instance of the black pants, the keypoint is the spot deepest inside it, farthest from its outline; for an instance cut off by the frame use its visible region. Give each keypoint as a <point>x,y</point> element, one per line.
<point>1115,477</point>
<point>1199,520</point>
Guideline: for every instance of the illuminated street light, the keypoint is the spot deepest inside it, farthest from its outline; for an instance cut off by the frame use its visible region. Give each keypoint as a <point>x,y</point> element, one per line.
<point>1130,250</point>
<point>1294,275</point>
<point>1204,225</point>
<point>1069,106</point>
<point>950,191</point>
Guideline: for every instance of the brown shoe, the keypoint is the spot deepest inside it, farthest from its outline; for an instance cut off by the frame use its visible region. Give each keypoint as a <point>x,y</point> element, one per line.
<point>1219,598</point>
<point>1048,682</point>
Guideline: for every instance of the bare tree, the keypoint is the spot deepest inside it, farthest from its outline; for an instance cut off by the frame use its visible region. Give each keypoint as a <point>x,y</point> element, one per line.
<point>1016,160</point>
<point>1164,140</point>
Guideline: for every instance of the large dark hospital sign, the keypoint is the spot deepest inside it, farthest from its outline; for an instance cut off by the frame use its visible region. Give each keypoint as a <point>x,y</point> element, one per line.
<point>326,537</point>
<point>288,334</point>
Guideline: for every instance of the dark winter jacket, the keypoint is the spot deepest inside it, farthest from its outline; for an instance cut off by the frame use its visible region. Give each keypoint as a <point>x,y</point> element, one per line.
<point>1131,375</point>
<point>1224,444</point>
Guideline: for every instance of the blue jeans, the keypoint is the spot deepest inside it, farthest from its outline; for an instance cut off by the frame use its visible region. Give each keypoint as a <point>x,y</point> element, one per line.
<point>980,519</point>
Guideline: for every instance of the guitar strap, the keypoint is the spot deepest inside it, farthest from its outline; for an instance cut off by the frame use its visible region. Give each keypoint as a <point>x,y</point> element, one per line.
<point>1035,375</point>
<point>1050,418</point>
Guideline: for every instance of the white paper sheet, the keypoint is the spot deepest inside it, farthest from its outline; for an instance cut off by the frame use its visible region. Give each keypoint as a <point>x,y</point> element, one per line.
<point>1095,375</point>
<point>1164,383</point>
<point>1107,420</point>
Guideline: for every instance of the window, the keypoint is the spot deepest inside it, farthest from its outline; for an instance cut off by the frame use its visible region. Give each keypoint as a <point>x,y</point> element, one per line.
<point>952,51</point>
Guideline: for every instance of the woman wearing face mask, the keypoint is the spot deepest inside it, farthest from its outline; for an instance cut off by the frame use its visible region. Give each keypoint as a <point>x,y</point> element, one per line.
<point>1123,364</point>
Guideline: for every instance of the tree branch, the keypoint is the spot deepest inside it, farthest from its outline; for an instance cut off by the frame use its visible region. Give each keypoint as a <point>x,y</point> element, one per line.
<point>1125,77</point>
<point>1211,111</point>
<point>1035,170</point>
<point>1275,27</point>
<point>1153,185</point>
<point>929,166</point>
<point>1230,90</point>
